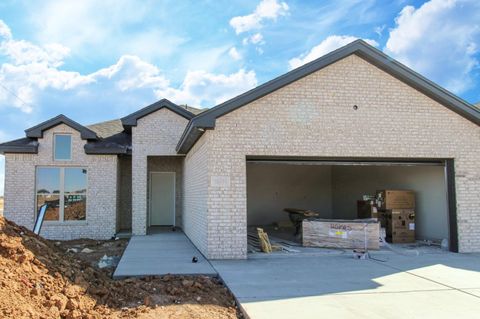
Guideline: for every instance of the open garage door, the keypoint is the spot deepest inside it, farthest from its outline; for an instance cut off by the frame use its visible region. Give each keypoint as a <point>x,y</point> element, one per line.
<point>332,188</point>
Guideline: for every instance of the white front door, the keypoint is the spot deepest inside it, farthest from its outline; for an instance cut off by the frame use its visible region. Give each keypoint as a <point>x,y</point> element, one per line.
<point>162,198</point>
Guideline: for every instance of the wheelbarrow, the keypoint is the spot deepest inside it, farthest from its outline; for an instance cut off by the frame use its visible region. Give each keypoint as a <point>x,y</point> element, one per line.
<point>297,216</point>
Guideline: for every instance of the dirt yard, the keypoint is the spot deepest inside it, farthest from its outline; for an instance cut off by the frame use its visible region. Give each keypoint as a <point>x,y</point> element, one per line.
<point>92,252</point>
<point>1,205</point>
<point>40,279</point>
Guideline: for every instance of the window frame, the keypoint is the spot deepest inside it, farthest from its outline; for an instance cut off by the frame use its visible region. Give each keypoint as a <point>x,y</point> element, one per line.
<point>55,147</point>
<point>61,214</point>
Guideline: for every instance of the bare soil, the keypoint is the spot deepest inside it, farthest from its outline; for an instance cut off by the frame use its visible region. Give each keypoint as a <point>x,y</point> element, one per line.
<point>38,279</point>
<point>91,251</point>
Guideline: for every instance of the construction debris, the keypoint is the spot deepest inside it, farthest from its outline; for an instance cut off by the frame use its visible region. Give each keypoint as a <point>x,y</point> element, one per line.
<point>298,215</point>
<point>87,250</point>
<point>339,233</point>
<point>277,244</point>
<point>108,261</point>
<point>38,279</point>
<point>264,241</point>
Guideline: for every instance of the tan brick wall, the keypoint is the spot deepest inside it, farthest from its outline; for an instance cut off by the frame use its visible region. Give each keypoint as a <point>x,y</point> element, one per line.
<point>195,217</point>
<point>101,189</point>
<point>156,134</point>
<point>314,116</point>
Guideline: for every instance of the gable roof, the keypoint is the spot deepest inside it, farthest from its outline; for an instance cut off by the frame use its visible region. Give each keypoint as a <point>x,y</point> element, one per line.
<point>206,120</point>
<point>37,130</point>
<point>131,120</point>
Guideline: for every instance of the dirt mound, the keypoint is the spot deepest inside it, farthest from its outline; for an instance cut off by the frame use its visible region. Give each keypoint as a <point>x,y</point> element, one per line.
<point>38,280</point>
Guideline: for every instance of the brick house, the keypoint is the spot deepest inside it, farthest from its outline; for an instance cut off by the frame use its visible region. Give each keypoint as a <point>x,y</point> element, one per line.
<point>319,136</point>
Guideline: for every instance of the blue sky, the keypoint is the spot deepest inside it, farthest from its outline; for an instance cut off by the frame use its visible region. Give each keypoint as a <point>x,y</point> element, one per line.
<point>98,60</point>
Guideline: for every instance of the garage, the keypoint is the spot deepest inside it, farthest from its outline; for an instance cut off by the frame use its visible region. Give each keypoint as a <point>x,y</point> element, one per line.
<point>332,188</point>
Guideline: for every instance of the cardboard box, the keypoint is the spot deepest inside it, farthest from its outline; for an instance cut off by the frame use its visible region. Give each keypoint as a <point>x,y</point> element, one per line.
<point>340,233</point>
<point>400,225</point>
<point>401,238</point>
<point>396,199</point>
<point>367,209</point>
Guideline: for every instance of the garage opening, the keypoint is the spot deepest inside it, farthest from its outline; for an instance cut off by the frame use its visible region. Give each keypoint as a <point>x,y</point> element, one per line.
<point>333,188</point>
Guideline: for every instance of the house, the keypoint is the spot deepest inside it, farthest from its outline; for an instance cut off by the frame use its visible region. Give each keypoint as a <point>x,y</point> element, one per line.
<point>318,137</point>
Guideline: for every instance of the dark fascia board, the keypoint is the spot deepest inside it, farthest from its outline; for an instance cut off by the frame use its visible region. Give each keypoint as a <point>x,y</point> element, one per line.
<point>206,120</point>
<point>37,131</point>
<point>106,150</point>
<point>22,145</point>
<point>131,120</point>
<point>118,144</point>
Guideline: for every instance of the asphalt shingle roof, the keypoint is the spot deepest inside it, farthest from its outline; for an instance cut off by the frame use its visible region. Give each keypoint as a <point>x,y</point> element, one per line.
<point>107,128</point>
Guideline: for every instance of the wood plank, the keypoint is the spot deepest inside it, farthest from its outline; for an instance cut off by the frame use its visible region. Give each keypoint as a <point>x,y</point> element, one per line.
<point>264,241</point>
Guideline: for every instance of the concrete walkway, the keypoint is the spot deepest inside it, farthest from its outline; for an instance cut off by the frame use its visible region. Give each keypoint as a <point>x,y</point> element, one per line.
<point>162,253</point>
<point>430,285</point>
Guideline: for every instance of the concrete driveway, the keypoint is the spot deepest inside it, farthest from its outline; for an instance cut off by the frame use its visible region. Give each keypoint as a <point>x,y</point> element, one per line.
<point>428,285</point>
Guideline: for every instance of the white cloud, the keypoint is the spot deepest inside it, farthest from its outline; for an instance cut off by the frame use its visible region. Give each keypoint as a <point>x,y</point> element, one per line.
<point>131,72</point>
<point>256,38</point>
<point>379,29</point>
<point>234,54</point>
<point>331,43</point>
<point>31,67</point>
<point>265,10</point>
<point>200,87</point>
<point>439,33</point>
<point>107,26</point>
<point>31,70</point>
<point>23,52</point>
<point>5,31</point>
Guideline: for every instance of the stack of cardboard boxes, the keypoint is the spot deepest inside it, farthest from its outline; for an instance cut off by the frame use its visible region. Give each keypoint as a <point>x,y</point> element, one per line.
<point>395,209</point>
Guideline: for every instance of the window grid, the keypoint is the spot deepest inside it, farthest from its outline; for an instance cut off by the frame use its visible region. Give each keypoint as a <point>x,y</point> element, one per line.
<point>61,195</point>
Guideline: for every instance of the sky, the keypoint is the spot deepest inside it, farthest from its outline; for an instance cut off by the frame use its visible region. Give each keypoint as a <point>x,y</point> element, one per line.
<point>99,60</point>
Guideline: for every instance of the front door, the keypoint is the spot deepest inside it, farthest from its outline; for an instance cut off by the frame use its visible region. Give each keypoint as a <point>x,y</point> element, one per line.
<point>162,198</point>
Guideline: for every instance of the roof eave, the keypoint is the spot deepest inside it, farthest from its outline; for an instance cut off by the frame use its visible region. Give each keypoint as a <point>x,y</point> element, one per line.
<point>132,119</point>
<point>106,151</point>
<point>37,130</point>
<point>27,149</point>
<point>361,49</point>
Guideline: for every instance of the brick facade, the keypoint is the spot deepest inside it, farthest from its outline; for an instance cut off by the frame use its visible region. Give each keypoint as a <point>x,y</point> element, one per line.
<point>314,116</point>
<point>195,209</point>
<point>101,189</point>
<point>155,135</point>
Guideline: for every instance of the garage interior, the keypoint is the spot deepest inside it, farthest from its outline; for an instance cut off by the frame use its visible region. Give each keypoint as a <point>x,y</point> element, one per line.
<point>332,188</point>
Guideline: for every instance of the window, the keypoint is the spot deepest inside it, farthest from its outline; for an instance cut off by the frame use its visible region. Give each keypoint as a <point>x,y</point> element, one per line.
<point>64,189</point>
<point>62,147</point>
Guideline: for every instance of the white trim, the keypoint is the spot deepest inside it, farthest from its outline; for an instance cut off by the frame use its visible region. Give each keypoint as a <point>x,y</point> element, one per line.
<point>55,147</point>
<point>150,197</point>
